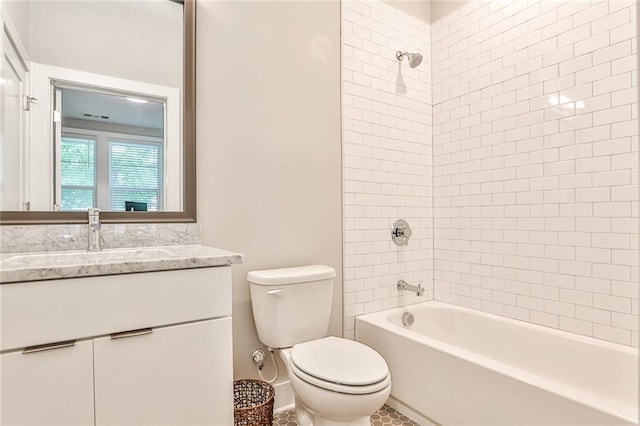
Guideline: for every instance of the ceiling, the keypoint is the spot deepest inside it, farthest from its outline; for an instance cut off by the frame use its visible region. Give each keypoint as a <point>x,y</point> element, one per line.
<point>111,108</point>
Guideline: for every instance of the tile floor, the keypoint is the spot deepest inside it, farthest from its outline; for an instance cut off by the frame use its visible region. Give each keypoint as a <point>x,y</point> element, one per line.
<point>386,416</point>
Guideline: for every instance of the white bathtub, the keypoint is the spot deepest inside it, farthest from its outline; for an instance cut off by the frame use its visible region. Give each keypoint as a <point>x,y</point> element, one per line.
<point>457,366</point>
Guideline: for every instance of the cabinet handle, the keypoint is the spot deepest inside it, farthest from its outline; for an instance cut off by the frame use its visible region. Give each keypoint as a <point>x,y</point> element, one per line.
<point>48,346</point>
<point>131,333</point>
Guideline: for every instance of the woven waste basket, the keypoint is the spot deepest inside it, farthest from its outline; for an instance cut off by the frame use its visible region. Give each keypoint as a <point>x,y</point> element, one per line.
<point>252,403</point>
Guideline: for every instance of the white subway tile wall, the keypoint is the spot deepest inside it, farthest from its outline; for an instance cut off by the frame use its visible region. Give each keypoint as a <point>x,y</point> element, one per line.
<point>387,152</point>
<point>520,183</point>
<point>535,163</point>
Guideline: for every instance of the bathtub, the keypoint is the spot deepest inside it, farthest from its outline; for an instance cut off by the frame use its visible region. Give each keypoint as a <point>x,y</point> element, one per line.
<point>457,366</point>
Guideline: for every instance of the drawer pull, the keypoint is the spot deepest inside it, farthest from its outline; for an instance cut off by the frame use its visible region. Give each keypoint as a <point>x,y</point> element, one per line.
<point>131,333</point>
<point>48,346</point>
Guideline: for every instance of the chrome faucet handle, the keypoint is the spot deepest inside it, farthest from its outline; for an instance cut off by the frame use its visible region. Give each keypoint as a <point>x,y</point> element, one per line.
<point>401,232</point>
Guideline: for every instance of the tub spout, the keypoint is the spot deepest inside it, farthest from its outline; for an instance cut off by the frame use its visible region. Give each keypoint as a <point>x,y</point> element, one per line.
<point>403,285</point>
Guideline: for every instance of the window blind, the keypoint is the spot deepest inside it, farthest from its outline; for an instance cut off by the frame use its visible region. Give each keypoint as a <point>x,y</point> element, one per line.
<point>135,174</point>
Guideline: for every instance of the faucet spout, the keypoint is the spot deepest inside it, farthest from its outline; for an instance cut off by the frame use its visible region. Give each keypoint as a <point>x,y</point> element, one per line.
<point>94,229</point>
<point>417,289</point>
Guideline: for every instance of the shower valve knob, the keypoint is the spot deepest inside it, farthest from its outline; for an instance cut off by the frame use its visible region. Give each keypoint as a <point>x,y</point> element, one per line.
<point>401,232</point>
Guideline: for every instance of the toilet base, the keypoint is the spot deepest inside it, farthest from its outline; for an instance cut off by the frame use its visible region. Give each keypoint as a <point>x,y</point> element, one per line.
<point>307,418</point>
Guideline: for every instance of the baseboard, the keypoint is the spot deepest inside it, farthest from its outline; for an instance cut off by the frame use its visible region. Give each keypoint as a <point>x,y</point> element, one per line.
<point>410,412</point>
<point>284,399</point>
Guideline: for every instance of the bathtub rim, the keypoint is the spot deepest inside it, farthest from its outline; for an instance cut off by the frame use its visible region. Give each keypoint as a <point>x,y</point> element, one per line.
<point>622,411</point>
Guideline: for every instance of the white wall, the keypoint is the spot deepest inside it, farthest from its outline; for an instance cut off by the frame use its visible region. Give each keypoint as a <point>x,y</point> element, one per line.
<point>269,153</point>
<point>387,156</point>
<point>18,13</point>
<point>135,40</point>
<point>536,163</point>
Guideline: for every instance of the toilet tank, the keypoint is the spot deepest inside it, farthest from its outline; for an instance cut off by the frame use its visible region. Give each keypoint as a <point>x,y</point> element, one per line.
<point>291,305</point>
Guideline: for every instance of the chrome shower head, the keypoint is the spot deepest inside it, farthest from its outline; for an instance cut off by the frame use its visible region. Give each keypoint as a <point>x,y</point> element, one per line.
<point>415,59</point>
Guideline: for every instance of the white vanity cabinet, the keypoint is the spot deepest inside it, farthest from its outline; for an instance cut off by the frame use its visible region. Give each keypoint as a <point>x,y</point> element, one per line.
<point>149,348</point>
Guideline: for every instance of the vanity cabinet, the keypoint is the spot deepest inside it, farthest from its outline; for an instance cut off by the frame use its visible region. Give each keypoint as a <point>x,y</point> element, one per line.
<point>147,348</point>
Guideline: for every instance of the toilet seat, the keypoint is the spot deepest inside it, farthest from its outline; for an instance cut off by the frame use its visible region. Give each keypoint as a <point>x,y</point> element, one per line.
<point>337,387</point>
<point>340,365</point>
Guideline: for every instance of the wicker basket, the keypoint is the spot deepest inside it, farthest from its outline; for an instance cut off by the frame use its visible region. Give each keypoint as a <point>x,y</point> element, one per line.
<point>252,403</point>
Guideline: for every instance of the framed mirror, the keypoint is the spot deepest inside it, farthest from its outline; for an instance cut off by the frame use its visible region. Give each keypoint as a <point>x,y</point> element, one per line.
<point>105,119</point>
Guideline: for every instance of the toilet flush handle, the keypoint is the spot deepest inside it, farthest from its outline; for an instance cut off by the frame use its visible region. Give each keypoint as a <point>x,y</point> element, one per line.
<point>277,292</point>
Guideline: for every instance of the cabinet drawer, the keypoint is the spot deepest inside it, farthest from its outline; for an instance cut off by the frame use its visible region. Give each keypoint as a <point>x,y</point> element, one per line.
<point>176,375</point>
<point>48,387</point>
<point>40,312</point>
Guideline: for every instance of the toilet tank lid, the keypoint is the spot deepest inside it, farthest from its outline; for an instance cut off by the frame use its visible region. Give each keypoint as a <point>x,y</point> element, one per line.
<point>298,274</point>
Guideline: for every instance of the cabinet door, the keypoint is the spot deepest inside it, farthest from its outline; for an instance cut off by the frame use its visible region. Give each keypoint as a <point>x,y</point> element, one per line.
<point>48,387</point>
<point>180,374</point>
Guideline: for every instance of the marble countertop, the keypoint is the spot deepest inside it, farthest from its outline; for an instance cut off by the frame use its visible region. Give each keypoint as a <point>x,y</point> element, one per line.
<point>19,267</point>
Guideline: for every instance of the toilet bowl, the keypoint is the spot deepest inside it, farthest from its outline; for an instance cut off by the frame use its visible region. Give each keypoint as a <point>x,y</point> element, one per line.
<point>335,381</point>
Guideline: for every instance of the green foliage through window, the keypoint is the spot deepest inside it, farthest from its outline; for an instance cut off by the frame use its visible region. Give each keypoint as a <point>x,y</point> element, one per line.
<point>78,173</point>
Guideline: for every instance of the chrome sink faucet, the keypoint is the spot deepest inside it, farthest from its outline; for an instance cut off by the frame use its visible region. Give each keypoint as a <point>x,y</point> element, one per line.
<point>417,289</point>
<point>94,229</point>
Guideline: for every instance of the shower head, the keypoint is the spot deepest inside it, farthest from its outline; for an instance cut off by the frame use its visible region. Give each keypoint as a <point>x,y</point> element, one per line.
<point>414,58</point>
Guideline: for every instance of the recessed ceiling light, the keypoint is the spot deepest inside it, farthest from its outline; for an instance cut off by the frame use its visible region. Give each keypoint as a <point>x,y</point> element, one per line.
<point>137,100</point>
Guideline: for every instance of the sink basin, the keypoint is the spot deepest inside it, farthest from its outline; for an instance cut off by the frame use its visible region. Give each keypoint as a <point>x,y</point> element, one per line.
<point>67,258</point>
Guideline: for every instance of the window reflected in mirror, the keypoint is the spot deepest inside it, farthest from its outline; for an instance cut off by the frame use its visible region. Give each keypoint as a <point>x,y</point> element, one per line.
<point>111,151</point>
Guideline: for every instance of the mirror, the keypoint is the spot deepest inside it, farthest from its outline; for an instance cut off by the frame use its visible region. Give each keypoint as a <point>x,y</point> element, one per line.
<point>98,110</point>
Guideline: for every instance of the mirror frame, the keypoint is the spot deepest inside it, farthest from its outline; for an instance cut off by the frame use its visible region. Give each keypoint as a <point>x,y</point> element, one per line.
<point>188,214</point>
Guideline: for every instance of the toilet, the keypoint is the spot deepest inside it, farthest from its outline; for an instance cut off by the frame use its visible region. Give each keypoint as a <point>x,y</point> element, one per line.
<point>335,381</point>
